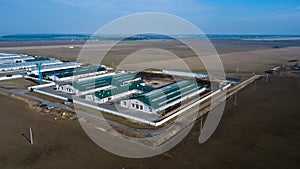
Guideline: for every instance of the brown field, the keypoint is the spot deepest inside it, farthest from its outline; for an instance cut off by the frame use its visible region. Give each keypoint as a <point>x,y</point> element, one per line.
<point>247,56</point>
<point>262,131</point>
<point>17,83</point>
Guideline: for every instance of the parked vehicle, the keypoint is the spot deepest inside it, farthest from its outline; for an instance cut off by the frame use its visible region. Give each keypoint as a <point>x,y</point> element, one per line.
<point>67,103</point>
<point>43,105</point>
<point>50,107</point>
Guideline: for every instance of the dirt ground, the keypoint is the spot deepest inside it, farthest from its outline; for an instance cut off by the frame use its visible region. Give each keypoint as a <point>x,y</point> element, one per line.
<point>262,131</point>
<point>20,83</point>
<point>245,56</point>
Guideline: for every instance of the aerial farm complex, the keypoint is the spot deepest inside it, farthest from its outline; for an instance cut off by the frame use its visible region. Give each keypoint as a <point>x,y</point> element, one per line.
<point>140,97</point>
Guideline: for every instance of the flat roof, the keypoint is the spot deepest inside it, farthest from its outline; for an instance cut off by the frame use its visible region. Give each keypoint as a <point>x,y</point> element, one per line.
<point>10,55</point>
<point>168,94</point>
<point>59,65</point>
<point>28,64</point>
<point>13,59</point>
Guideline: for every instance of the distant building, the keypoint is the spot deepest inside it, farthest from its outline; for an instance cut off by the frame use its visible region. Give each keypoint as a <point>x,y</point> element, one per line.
<point>159,100</point>
<point>15,59</point>
<point>28,64</point>
<point>10,55</point>
<point>185,74</point>
<point>51,68</point>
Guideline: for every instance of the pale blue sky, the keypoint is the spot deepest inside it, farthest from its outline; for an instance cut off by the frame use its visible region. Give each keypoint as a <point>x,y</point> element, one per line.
<point>211,16</point>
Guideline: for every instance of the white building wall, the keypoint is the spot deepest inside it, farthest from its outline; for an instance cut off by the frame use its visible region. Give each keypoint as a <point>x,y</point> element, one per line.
<point>147,108</point>
<point>36,72</point>
<point>95,77</point>
<point>93,98</point>
<point>80,76</point>
<point>67,89</point>
<point>138,105</point>
<point>89,98</point>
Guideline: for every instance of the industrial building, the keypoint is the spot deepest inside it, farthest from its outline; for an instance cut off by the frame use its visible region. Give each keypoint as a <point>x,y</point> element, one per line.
<point>28,64</point>
<point>15,59</point>
<point>158,100</point>
<point>185,74</point>
<point>9,55</point>
<point>98,84</point>
<point>104,82</point>
<point>50,68</point>
<point>74,73</point>
<point>117,92</point>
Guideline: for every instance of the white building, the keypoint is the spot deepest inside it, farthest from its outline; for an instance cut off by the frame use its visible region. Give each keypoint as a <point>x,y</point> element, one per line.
<point>28,64</point>
<point>54,67</point>
<point>76,73</point>
<point>158,100</point>
<point>104,82</point>
<point>15,59</point>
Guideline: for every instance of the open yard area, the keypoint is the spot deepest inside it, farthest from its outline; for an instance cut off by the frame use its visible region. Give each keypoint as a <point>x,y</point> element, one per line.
<point>20,83</point>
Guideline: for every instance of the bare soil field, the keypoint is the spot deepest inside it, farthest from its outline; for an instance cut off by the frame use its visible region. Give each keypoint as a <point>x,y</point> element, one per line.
<point>17,83</point>
<point>262,131</point>
<point>246,56</point>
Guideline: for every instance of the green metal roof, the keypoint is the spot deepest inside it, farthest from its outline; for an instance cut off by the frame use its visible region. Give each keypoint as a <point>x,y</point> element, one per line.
<point>37,59</point>
<point>121,89</point>
<point>167,94</point>
<point>92,84</point>
<point>74,71</point>
<point>115,80</point>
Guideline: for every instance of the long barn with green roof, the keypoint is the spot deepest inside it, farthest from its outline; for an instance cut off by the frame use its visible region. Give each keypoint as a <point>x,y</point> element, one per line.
<point>75,73</point>
<point>158,100</point>
<point>117,92</point>
<point>107,81</point>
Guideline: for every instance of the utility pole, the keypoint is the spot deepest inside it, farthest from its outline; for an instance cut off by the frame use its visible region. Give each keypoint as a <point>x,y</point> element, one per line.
<point>267,77</point>
<point>235,99</point>
<point>31,136</point>
<point>201,123</point>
